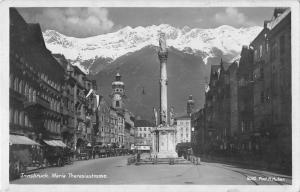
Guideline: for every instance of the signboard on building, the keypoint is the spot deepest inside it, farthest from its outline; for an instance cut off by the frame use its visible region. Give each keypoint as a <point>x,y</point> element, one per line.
<point>142,147</point>
<point>132,146</point>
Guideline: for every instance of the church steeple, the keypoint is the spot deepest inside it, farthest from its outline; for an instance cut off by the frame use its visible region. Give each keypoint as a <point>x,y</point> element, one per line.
<point>190,105</point>
<point>118,92</point>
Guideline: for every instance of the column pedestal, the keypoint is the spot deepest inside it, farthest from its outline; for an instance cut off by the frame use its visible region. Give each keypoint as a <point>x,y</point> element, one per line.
<point>164,145</point>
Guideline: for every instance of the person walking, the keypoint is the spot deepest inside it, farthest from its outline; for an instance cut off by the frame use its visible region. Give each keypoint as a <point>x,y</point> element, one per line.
<point>138,156</point>
<point>94,153</point>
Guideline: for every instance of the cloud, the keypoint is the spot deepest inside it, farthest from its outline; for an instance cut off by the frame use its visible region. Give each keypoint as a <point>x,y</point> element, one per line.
<point>233,17</point>
<point>78,22</point>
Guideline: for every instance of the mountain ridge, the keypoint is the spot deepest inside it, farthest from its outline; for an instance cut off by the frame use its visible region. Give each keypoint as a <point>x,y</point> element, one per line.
<point>106,48</point>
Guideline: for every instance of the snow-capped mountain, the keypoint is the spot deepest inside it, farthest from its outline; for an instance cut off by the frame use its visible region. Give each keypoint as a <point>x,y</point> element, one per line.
<point>110,46</point>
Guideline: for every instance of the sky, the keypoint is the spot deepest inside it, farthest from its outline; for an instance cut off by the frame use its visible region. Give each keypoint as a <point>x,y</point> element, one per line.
<point>87,21</point>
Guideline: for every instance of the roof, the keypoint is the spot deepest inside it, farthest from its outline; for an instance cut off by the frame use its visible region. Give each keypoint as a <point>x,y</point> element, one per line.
<point>275,21</point>
<point>214,68</point>
<point>27,41</point>
<point>78,70</point>
<point>186,116</point>
<point>143,123</point>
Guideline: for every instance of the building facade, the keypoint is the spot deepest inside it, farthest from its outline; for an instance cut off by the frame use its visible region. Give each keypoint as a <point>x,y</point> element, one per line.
<point>47,94</point>
<point>183,129</point>
<point>248,106</point>
<point>143,134</point>
<point>36,82</point>
<point>245,98</point>
<point>104,122</point>
<point>198,135</point>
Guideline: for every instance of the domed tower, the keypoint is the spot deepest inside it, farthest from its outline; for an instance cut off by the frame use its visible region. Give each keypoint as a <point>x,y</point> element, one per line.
<point>118,92</point>
<point>190,105</point>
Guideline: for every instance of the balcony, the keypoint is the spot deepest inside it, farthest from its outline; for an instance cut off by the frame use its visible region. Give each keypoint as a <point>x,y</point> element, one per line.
<point>16,95</point>
<point>38,102</point>
<point>49,87</point>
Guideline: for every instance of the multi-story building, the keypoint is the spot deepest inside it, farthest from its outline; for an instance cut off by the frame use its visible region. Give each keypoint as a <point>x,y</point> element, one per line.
<point>233,86</point>
<point>210,106</point>
<point>36,81</point>
<point>67,104</point>
<point>84,108</point>
<point>262,108</point>
<point>120,128</point>
<point>183,129</point>
<point>198,135</point>
<point>143,134</point>
<point>279,41</point>
<point>113,125</point>
<point>248,106</point>
<point>129,130</point>
<point>104,122</point>
<point>245,98</point>
<point>217,107</point>
<point>223,109</point>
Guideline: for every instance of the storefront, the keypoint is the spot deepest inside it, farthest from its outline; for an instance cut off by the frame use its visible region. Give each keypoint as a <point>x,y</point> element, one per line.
<point>23,152</point>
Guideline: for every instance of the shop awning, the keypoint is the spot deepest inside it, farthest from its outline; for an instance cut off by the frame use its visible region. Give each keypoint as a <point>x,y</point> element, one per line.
<point>61,143</point>
<point>55,143</point>
<point>21,140</point>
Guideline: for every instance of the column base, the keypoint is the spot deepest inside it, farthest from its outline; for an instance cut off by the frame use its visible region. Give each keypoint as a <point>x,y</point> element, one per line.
<point>165,155</point>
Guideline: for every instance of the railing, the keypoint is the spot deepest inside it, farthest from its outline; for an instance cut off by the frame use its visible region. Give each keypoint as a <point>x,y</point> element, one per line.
<point>38,101</point>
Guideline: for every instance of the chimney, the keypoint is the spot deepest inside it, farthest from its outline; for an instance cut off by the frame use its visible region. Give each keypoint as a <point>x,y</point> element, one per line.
<point>278,12</point>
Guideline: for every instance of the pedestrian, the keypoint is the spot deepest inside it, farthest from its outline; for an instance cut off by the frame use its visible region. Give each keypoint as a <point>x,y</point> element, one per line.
<point>94,153</point>
<point>138,157</point>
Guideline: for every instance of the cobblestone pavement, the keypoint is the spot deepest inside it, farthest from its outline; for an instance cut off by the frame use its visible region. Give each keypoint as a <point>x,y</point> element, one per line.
<point>114,170</point>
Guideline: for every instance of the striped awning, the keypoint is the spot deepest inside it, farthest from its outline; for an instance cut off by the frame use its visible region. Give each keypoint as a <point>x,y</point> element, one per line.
<point>21,140</point>
<point>55,143</point>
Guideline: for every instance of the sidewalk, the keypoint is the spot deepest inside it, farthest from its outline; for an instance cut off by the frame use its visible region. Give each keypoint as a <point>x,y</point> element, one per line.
<point>253,164</point>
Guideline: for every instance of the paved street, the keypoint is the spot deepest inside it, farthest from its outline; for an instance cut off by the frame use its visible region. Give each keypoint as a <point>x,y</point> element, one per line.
<point>114,170</point>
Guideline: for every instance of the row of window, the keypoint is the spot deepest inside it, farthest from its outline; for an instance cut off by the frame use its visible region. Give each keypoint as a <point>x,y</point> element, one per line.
<point>184,123</point>
<point>186,136</point>
<point>19,118</point>
<point>49,82</point>
<point>144,128</point>
<point>246,126</point>
<point>41,75</point>
<point>275,48</point>
<point>186,129</point>
<point>144,135</point>
<point>258,53</point>
<point>23,88</point>
<point>184,140</point>
<point>52,126</point>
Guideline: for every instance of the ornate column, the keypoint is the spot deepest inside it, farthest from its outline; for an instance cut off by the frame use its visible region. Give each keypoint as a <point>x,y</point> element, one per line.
<point>163,56</point>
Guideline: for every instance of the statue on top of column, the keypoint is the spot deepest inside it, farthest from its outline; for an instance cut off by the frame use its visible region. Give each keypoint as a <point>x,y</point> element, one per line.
<point>162,42</point>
